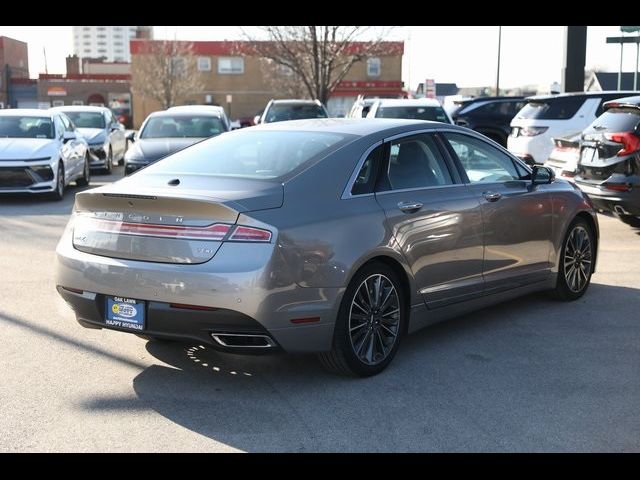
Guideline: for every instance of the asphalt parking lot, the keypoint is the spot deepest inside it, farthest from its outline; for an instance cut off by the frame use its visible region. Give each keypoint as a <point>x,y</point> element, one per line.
<point>529,375</point>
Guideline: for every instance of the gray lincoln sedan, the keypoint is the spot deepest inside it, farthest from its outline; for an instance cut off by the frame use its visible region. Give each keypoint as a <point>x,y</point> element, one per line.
<point>335,236</point>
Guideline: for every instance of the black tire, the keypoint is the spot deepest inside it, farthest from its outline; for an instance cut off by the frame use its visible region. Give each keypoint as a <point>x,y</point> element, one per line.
<point>630,220</point>
<point>108,164</point>
<point>58,193</point>
<point>572,284</point>
<point>344,356</point>
<point>86,174</point>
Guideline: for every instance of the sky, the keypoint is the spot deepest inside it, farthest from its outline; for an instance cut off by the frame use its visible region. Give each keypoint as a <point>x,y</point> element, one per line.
<point>464,55</point>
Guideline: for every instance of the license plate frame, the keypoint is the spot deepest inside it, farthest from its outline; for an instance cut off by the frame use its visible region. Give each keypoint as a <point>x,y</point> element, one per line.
<point>125,313</point>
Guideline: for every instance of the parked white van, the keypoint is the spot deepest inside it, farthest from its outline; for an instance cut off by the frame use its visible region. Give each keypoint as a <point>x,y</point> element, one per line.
<point>547,116</point>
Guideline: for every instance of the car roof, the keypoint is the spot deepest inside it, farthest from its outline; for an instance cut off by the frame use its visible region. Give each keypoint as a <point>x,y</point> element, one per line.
<point>295,101</point>
<point>402,102</point>
<point>191,111</point>
<point>489,99</point>
<point>581,94</point>
<point>353,126</point>
<point>79,108</point>
<point>196,108</point>
<point>25,112</point>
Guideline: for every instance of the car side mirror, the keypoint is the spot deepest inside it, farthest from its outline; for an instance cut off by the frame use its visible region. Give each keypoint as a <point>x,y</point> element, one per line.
<point>131,136</point>
<point>542,175</point>
<point>66,136</point>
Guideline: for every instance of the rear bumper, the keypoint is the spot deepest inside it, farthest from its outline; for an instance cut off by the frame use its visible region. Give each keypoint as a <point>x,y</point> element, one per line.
<point>624,203</point>
<point>243,286</point>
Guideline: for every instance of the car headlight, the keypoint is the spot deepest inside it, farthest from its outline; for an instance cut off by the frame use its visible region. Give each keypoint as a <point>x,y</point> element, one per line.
<point>134,156</point>
<point>532,131</point>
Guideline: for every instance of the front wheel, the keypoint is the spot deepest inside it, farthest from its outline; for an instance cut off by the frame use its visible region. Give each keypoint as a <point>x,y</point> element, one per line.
<point>84,180</point>
<point>576,261</point>
<point>58,193</point>
<point>370,323</point>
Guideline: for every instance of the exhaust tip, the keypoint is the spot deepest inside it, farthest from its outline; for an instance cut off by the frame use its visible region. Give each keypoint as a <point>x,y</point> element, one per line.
<point>243,340</point>
<point>619,209</point>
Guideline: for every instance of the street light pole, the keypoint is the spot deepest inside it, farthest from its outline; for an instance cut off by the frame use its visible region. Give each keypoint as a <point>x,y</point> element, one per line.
<point>498,69</point>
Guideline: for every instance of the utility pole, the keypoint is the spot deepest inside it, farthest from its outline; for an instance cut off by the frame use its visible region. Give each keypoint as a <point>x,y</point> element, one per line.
<point>575,53</point>
<point>498,69</point>
<point>44,51</point>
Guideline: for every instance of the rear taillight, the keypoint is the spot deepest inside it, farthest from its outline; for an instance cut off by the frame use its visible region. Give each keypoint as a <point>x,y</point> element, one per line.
<point>630,142</point>
<point>618,187</point>
<point>567,173</point>
<point>250,234</point>
<point>215,232</point>
<point>532,131</point>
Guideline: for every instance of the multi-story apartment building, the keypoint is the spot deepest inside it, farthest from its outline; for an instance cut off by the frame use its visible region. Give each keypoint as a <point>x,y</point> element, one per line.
<point>225,70</point>
<point>111,43</point>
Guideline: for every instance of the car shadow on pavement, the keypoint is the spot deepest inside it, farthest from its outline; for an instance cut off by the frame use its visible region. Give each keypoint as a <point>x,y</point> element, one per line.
<point>532,374</point>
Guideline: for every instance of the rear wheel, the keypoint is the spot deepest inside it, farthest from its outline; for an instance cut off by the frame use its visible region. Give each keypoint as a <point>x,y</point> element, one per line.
<point>576,261</point>
<point>86,173</point>
<point>369,325</point>
<point>631,220</point>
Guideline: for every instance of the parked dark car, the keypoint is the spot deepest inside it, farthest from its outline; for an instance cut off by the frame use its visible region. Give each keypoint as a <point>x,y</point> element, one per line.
<point>609,167</point>
<point>490,116</point>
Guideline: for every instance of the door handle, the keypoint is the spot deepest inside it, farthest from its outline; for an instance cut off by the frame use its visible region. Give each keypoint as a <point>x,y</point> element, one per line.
<point>409,207</point>
<point>492,196</point>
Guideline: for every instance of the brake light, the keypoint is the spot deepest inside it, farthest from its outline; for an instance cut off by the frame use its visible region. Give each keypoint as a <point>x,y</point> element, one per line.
<point>630,142</point>
<point>532,131</point>
<point>567,173</point>
<point>215,232</point>
<point>250,234</point>
<point>618,187</point>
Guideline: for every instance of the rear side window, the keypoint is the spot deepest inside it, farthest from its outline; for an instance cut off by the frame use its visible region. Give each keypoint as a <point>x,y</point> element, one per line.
<point>435,114</point>
<point>416,162</point>
<point>618,120</point>
<point>251,154</point>
<point>365,181</point>
<point>561,108</point>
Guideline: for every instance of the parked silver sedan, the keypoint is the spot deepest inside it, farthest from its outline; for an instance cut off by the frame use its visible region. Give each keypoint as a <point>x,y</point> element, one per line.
<point>335,236</point>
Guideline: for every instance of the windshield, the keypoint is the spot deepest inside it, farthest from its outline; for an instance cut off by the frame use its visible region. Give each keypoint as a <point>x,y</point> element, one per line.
<point>280,113</point>
<point>250,154</point>
<point>87,119</point>
<point>436,114</point>
<point>182,126</point>
<point>560,108</point>
<point>26,127</point>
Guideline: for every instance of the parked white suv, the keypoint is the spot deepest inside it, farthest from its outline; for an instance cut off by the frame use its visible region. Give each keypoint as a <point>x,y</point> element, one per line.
<point>412,109</point>
<point>547,116</point>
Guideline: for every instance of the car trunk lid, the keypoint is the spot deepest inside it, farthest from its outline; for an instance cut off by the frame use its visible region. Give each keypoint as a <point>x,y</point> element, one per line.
<point>165,218</point>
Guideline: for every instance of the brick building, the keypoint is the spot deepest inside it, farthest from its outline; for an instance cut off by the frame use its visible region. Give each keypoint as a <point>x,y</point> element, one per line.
<point>14,64</point>
<point>227,69</point>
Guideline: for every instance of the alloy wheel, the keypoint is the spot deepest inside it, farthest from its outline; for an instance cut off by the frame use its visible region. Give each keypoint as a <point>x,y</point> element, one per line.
<point>374,319</point>
<point>577,259</point>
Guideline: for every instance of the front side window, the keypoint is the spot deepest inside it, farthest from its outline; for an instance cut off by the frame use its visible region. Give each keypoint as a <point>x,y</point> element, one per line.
<point>416,162</point>
<point>482,162</point>
<point>26,127</point>
<point>373,67</point>
<point>263,155</point>
<point>230,65</point>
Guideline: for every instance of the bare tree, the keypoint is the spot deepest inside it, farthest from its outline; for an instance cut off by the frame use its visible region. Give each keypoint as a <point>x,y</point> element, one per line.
<point>319,57</point>
<point>166,71</point>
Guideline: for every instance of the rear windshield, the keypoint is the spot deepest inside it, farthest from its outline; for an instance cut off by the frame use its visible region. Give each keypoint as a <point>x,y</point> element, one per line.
<point>251,154</point>
<point>87,119</point>
<point>281,113</point>
<point>182,126</point>
<point>618,120</point>
<point>560,108</point>
<point>436,114</point>
<point>26,127</point>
